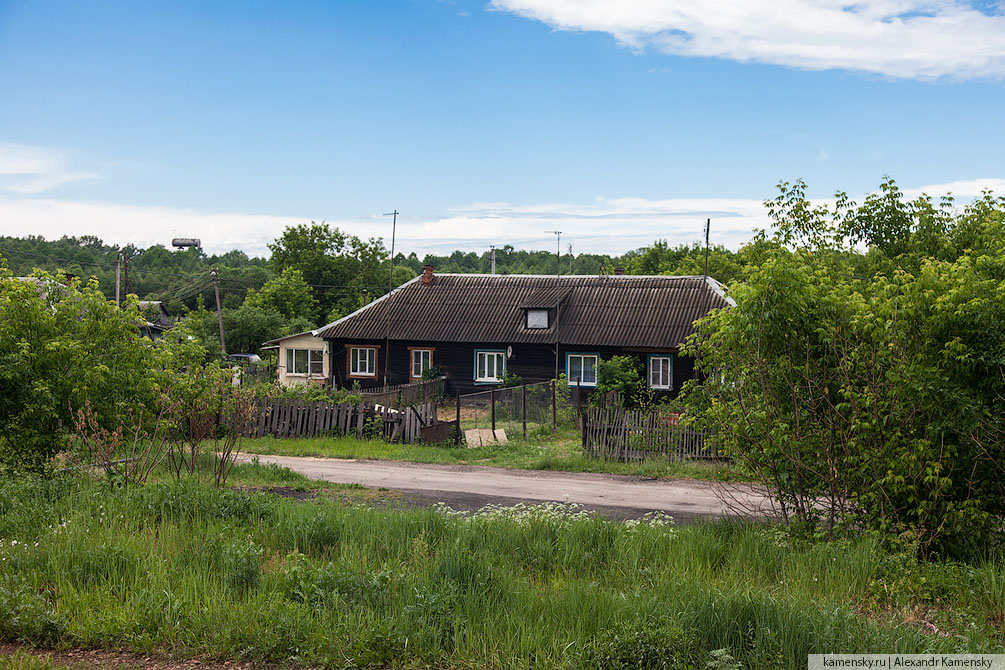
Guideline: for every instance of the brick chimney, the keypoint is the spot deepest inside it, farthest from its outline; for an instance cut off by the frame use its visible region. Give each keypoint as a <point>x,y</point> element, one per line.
<point>619,271</point>
<point>427,275</point>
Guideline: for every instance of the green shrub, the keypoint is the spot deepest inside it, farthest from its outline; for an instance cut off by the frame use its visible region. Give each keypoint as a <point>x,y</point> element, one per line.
<point>622,374</point>
<point>649,646</point>
<point>26,615</point>
<point>242,565</point>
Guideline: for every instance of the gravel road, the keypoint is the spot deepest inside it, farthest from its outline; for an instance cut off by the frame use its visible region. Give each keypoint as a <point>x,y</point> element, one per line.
<point>470,487</point>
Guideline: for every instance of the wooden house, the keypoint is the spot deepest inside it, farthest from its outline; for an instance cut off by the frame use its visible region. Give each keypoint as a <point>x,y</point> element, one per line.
<point>477,328</point>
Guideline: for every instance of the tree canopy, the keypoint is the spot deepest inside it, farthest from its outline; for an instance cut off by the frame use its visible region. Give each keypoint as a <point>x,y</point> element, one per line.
<point>868,387</point>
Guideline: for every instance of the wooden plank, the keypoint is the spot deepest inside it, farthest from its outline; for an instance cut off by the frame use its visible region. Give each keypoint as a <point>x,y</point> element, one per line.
<point>277,424</point>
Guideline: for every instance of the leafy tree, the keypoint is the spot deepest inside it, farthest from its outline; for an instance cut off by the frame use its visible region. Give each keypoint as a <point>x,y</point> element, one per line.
<point>202,325</point>
<point>64,345</point>
<point>870,398</point>
<point>622,374</point>
<point>336,265</point>
<point>287,294</point>
<point>247,328</point>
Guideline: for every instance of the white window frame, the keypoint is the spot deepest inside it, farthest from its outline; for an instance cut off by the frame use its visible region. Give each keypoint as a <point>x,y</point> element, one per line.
<point>412,360</point>
<point>499,364</point>
<point>313,356</point>
<point>370,368</point>
<point>582,357</point>
<point>669,371</point>
<point>538,313</point>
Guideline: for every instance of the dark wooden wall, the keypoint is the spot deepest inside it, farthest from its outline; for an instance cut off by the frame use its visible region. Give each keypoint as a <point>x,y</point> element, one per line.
<point>532,362</point>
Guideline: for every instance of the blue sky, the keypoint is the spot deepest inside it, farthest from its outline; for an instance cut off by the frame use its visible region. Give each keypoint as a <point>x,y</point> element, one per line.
<point>483,122</point>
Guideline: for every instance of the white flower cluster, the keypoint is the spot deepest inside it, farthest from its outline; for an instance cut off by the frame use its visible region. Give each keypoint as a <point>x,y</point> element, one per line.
<point>14,544</point>
<point>555,513</point>
<point>549,512</point>
<point>657,519</point>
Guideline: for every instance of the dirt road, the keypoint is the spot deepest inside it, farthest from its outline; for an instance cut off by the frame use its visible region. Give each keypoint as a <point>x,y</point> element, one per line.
<point>471,487</point>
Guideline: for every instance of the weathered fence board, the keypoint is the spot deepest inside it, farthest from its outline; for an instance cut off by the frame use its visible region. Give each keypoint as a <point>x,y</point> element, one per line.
<point>406,395</point>
<point>615,434</point>
<point>289,417</point>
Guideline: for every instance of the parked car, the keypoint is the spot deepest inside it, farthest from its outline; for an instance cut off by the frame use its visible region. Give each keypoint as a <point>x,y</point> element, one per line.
<point>247,359</point>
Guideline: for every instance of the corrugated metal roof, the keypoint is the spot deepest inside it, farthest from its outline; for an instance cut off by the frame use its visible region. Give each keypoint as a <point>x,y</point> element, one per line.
<point>609,310</point>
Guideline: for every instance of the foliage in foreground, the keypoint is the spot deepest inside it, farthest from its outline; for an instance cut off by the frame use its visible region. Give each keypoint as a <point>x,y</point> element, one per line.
<point>198,570</point>
<point>876,399</point>
<point>64,346</point>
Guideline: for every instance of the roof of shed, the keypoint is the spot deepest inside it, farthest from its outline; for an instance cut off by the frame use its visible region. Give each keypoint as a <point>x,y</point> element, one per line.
<point>608,310</point>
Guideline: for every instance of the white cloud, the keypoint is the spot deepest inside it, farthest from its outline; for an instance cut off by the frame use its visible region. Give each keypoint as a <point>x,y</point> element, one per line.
<point>915,39</point>
<point>961,189</point>
<point>26,169</point>
<point>606,225</point>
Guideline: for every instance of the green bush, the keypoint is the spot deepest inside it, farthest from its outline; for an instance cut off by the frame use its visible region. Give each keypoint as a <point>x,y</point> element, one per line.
<point>641,647</point>
<point>64,347</point>
<point>622,374</point>
<point>868,390</point>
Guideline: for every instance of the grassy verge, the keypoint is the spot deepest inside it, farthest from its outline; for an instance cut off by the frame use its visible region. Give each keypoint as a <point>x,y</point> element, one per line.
<point>256,477</point>
<point>185,568</point>
<point>560,452</point>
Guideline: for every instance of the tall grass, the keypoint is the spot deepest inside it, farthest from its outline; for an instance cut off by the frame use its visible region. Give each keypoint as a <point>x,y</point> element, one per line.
<point>190,569</point>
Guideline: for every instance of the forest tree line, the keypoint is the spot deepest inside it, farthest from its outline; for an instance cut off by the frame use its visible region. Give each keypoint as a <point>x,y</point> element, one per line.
<point>315,274</point>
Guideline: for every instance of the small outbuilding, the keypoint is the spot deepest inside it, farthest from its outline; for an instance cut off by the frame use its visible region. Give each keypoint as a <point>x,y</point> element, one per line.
<point>302,359</point>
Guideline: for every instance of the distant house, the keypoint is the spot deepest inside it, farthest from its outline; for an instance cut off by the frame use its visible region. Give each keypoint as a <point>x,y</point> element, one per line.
<point>301,359</point>
<point>157,320</point>
<point>476,328</point>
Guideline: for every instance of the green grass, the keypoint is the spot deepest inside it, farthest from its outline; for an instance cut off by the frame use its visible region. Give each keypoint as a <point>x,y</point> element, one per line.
<point>560,452</point>
<point>254,476</point>
<point>22,660</point>
<point>187,569</point>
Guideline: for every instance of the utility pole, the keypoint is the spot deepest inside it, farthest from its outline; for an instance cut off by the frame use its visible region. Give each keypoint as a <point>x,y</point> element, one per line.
<point>571,259</point>
<point>708,224</point>
<point>390,287</point>
<point>118,266</point>
<point>125,271</point>
<point>558,294</point>
<point>219,312</point>
<point>558,249</point>
<point>493,259</point>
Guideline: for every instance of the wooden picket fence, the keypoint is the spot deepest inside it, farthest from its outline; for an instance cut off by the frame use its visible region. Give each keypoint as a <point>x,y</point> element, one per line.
<point>290,417</point>
<point>405,395</point>
<point>616,434</point>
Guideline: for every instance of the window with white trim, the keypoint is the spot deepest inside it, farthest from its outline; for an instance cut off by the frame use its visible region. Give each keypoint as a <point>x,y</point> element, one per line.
<point>362,361</point>
<point>305,361</point>
<point>537,318</point>
<point>582,367</point>
<point>422,360</point>
<point>490,366</point>
<point>661,372</point>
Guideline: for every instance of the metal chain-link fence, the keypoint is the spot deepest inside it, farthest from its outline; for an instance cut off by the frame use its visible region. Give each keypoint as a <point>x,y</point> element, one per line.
<point>514,412</point>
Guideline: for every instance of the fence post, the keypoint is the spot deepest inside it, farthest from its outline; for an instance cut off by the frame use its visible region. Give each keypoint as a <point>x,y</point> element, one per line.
<point>554,408</point>
<point>523,392</point>
<point>492,399</point>
<point>579,399</point>
<point>457,435</point>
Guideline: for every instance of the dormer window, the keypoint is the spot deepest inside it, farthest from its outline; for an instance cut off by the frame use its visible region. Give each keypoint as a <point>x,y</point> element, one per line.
<point>537,319</point>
